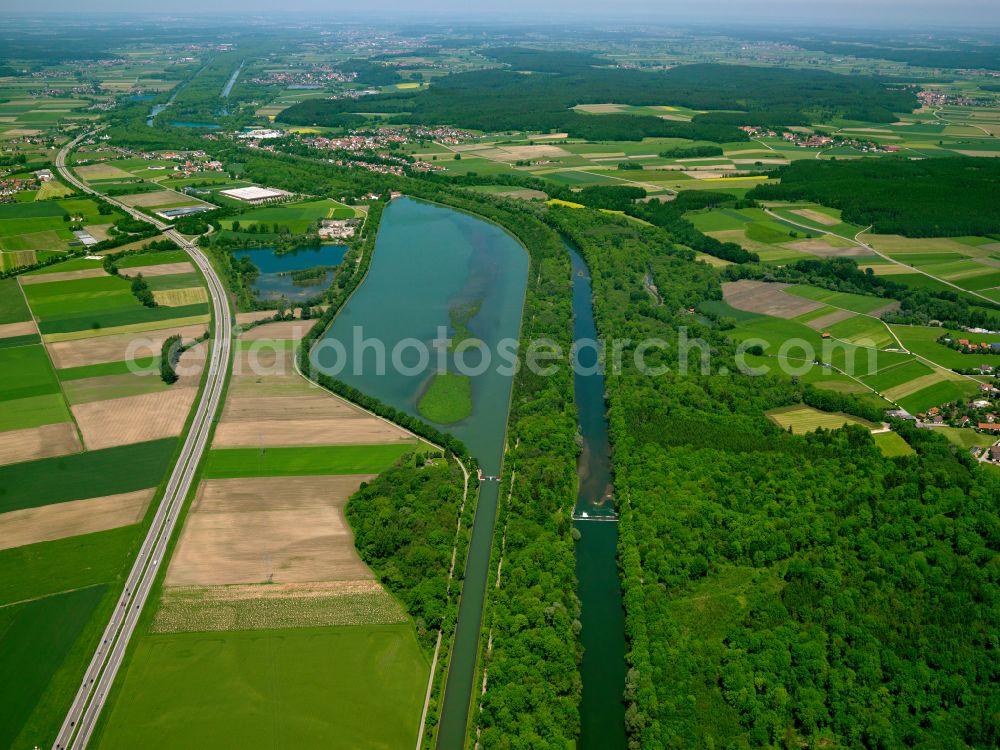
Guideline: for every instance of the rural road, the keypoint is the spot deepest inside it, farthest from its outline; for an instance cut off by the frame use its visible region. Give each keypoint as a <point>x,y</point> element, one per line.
<point>100,675</point>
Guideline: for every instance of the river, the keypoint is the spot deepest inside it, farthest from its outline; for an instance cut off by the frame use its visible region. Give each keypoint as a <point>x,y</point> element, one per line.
<point>430,261</point>
<point>602,708</point>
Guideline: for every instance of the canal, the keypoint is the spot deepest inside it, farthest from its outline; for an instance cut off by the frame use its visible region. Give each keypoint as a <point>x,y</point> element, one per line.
<point>437,267</point>
<point>602,616</point>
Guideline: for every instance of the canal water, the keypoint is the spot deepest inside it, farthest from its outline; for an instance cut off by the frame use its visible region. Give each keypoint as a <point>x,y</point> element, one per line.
<point>275,281</point>
<point>602,707</point>
<point>430,261</point>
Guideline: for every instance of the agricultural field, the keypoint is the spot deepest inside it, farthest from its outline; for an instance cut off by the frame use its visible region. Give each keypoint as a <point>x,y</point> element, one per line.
<point>798,325</point>
<point>773,239</point>
<point>68,526</point>
<point>87,433</point>
<point>298,686</point>
<point>265,563</point>
<point>37,231</point>
<point>800,419</point>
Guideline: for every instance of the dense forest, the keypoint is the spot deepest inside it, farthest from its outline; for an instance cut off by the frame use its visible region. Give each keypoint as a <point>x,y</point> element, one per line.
<point>404,528</point>
<point>944,197</point>
<point>784,591</point>
<point>505,100</point>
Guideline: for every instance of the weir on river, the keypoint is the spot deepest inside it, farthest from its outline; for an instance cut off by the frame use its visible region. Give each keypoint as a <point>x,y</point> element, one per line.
<point>602,708</point>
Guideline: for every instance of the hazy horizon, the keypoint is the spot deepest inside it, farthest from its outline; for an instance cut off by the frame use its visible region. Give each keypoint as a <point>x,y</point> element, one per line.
<point>887,14</point>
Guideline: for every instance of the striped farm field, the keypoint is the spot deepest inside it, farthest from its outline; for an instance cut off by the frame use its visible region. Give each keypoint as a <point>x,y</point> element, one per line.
<point>912,386</point>
<point>803,419</point>
<point>939,393</point>
<point>859,303</point>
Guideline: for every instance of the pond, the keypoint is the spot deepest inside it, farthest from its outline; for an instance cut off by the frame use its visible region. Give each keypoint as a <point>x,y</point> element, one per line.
<point>276,280</point>
<point>437,267</point>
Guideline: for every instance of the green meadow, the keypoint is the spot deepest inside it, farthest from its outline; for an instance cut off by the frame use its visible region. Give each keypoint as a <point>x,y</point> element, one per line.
<point>124,316</point>
<point>13,308</point>
<point>34,411</point>
<point>25,371</point>
<point>349,687</point>
<point>304,461</point>
<point>35,638</point>
<point>103,369</point>
<point>80,297</point>
<point>46,568</point>
<point>892,445</point>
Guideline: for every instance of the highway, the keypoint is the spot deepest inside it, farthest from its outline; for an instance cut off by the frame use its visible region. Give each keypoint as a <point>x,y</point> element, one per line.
<point>100,675</point>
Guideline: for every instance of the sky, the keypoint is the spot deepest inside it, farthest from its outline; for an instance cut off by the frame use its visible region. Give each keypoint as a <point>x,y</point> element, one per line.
<point>973,14</point>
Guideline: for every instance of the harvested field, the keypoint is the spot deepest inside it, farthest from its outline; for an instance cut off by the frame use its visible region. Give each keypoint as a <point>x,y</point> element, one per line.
<point>191,364</point>
<point>705,174</point>
<point>39,442</point>
<point>284,330</point>
<point>159,198</point>
<point>817,216</point>
<point>60,520</point>
<point>99,231</point>
<point>779,162</point>
<point>766,298</point>
<point>134,419</point>
<point>101,172</point>
<point>83,273</point>
<point>300,420</point>
<point>601,109</point>
<point>10,330</point>
<point>180,297</point>
<point>269,404</point>
<point>824,249</point>
<point>823,322</point>
<point>269,529</point>
<point>115,347</point>
<point>244,318</point>
<point>527,152</point>
<point>162,269</point>
<point>268,372</point>
<point>267,606</point>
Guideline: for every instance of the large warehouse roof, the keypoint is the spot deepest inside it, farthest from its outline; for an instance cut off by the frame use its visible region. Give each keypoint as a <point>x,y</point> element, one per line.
<point>253,193</point>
